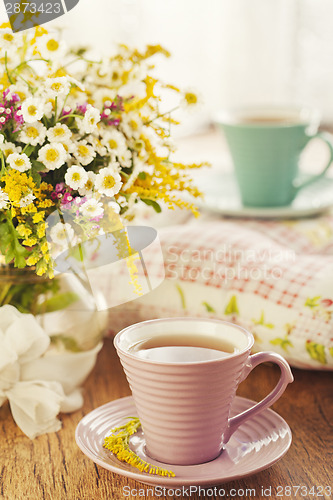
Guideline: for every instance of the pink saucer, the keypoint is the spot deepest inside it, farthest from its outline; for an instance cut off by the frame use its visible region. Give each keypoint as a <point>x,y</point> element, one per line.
<point>255,446</point>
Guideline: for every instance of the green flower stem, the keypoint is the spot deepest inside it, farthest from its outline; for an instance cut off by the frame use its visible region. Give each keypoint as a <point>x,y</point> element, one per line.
<point>162,114</point>
<point>26,63</point>
<point>70,116</point>
<point>80,59</point>
<point>8,74</point>
<point>31,88</point>
<point>3,294</point>
<point>3,165</point>
<point>63,107</point>
<point>55,109</point>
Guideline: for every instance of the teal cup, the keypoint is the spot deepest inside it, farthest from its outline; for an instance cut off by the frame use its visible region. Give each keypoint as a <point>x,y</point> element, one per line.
<point>265,145</point>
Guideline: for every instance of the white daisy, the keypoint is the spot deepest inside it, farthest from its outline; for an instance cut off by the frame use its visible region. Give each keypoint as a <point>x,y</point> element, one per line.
<point>59,133</point>
<point>27,200</point>
<point>4,200</point>
<point>62,234</point>
<point>76,177</point>
<point>84,153</point>
<point>57,86</point>
<point>53,155</point>
<point>92,208</point>
<point>12,57</point>
<point>9,148</point>
<point>89,185</point>
<point>114,206</point>
<point>33,133</point>
<point>101,74</point>
<point>131,124</point>
<point>76,83</point>
<point>19,162</point>
<point>49,106</point>
<point>125,158</point>
<point>21,90</point>
<point>122,202</point>
<point>69,147</point>
<point>191,99</point>
<point>50,47</point>
<point>8,40</point>
<point>90,120</point>
<point>116,72</point>
<point>115,142</point>
<point>97,145</point>
<point>108,181</point>
<point>104,96</point>
<point>32,109</point>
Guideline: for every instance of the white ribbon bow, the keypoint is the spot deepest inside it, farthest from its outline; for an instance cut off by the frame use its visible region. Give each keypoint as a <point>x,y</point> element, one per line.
<point>38,384</point>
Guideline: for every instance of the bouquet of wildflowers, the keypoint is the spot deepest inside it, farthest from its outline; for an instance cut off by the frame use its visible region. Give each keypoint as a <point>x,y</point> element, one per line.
<point>79,135</point>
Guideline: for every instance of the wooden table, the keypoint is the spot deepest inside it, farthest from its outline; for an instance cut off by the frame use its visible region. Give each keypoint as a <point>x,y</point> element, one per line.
<point>52,467</point>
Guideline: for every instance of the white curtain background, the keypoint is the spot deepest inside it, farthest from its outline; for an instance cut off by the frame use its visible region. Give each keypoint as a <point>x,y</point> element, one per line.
<point>234,52</point>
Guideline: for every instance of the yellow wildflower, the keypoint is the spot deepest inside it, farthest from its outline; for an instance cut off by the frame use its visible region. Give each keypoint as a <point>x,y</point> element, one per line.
<point>38,217</point>
<point>29,209</point>
<point>118,444</point>
<point>32,259</point>
<point>47,257</point>
<point>41,230</point>
<point>41,267</point>
<point>30,242</point>
<point>23,230</point>
<point>44,248</point>
<point>45,203</point>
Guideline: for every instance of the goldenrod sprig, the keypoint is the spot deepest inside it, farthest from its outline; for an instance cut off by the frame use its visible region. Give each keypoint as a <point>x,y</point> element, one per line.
<point>118,444</point>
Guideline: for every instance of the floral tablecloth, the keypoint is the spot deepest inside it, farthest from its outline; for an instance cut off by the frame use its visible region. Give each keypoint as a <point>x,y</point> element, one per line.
<point>272,277</point>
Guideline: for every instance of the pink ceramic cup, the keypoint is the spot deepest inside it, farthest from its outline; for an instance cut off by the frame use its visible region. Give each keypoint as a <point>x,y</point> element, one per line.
<point>184,406</point>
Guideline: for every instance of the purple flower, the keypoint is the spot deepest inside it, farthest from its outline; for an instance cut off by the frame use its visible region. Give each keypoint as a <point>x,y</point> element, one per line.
<point>82,108</point>
<point>114,122</point>
<point>68,112</point>
<point>78,200</point>
<point>60,187</point>
<point>68,198</point>
<point>96,219</point>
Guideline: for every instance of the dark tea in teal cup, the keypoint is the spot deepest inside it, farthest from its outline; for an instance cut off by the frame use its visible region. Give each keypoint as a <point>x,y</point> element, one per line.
<point>265,145</point>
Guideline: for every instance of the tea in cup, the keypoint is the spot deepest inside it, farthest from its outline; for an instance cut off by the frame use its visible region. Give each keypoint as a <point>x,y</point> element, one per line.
<point>184,373</point>
<point>265,145</point>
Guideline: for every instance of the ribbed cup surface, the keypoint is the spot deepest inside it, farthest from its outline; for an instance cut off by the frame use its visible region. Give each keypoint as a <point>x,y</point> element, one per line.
<point>183,408</point>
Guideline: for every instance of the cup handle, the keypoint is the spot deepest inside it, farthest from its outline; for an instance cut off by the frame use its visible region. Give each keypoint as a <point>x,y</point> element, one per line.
<point>286,378</point>
<point>328,139</point>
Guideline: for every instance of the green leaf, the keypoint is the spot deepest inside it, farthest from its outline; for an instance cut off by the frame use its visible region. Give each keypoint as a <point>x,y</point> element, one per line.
<point>10,245</point>
<point>29,149</point>
<point>37,165</point>
<point>57,302</point>
<point>232,307</point>
<point>284,343</point>
<point>316,352</point>
<point>36,177</point>
<point>142,176</point>
<point>208,307</point>
<point>261,321</point>
<point>153,204</point>
<point>312,302</point>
